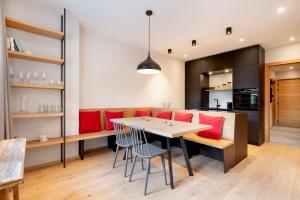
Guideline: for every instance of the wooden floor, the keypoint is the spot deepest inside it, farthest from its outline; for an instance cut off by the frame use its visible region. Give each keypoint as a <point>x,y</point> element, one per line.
<point>270,172</point>
<point>285,136</point>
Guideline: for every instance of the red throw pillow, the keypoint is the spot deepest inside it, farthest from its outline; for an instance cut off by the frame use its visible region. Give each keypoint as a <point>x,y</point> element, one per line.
<point>89,122</point>
<point>164,114</point>
<point>146,113</point>
<point>216,122</point>
<point>184,117</point>
<point>111,115</point>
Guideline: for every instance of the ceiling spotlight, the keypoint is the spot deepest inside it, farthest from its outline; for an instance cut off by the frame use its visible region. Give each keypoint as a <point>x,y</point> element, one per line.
<point>210,73</point>
<point>292,39</point>
<point>169,51</point>
<point>280,9</point>
<point>194,42</point>
<point>291,67</point>
<point>242,39</point>
<point>185,55</point>
<point>228,31</point>
<point>226,70</point>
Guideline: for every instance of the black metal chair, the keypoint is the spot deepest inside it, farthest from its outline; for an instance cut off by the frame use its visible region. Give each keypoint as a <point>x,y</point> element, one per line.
<point>147,151</point>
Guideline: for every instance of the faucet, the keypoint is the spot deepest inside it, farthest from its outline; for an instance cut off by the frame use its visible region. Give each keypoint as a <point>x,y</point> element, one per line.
<point>218,105</point>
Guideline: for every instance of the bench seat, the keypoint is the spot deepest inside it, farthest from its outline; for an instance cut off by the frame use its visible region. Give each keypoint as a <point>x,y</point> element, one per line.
<point>69,138</point>
<point>220,144</point>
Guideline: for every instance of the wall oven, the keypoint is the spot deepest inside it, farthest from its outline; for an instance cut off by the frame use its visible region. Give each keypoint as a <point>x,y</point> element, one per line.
<point>245,99</point>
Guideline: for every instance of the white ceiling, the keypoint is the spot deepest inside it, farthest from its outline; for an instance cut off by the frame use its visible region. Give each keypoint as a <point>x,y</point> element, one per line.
<point>176,22</point>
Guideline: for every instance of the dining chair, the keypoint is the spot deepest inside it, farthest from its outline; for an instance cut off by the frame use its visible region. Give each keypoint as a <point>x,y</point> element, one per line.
<point>145,150</point>
<point>123,140</point>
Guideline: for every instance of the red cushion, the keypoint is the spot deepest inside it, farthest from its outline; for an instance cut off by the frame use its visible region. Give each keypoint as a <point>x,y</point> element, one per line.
<point>216,122</point>
<point>184,117</point>
<point>111,115</point>
<point>89,122</point>
<point>141,113</point>
<point>164,114</point>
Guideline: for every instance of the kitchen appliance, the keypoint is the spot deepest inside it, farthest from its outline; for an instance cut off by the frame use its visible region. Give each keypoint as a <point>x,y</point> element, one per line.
<point>245,99</point>
<point>229,105</point>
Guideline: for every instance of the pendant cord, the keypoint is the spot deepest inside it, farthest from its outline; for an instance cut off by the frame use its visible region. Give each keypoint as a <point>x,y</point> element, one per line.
<point>149,38</point>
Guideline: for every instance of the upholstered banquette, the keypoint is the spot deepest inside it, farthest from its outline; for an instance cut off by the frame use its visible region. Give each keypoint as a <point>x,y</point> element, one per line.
<point>230,149</point>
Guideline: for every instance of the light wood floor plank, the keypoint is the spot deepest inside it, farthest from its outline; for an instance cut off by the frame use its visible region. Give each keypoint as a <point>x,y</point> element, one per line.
<point>270,172</point>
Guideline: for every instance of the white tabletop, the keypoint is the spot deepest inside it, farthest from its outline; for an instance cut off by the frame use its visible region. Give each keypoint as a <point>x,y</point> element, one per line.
<point>163,127</point>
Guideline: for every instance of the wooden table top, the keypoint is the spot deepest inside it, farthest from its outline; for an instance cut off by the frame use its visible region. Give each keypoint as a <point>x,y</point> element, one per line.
<point>163,127</point>
<point>12,155</point>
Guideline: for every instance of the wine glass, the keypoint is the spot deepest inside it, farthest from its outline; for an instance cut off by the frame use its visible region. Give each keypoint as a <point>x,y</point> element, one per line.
<point>44,76</point>
<point>35,77</point>
<point>21,76</point>
<point>28,80</point>
<point>11,74</point>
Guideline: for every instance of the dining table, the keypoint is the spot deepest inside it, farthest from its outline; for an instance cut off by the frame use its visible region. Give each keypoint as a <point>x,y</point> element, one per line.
<point>168,129</point>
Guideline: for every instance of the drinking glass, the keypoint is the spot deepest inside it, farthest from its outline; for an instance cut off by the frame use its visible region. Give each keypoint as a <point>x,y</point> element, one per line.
<point>44,76</point>
<point>59,109</point>
<point>45,109</point>
<point>21,76</point>
<point>35,77</point>
<point>28,80</point>
<point>11,74</point>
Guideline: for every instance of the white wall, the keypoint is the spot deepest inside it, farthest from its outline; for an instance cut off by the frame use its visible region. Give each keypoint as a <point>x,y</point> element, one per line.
<point>32,128</point>
<point>286,52</point>
<point>108,77</point>
<point>222,96</point>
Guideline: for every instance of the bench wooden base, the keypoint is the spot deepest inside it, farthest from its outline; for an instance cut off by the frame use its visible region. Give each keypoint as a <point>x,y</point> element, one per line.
<point>222,150</point>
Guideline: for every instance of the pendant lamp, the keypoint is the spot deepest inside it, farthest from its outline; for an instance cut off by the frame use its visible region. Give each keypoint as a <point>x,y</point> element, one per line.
<point>149,66</point>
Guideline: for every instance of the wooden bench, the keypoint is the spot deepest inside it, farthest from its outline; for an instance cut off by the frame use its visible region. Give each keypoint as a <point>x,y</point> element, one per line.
<point>128,112</point>
<point>225,146</point>
<point>232,148</point>
<point>12,155</point>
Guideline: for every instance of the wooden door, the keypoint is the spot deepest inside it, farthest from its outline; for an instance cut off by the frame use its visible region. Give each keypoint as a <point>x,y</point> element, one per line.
<point>289,103</point>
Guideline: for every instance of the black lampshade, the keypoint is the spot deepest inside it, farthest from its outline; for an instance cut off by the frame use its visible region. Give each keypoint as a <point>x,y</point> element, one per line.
<point>148,66</point>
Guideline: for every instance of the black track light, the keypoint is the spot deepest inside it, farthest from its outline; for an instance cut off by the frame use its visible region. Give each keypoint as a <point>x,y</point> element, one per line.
<point>169,51</point>
<point>228,31</point>
<point>194,43</point>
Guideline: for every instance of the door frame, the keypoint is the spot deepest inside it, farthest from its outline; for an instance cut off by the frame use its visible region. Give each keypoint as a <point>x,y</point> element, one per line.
<point>268,66</point>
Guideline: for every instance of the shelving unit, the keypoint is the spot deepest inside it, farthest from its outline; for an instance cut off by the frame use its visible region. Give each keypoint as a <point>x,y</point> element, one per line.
<point>35,115</point>
<point>50,33</point>
<point>219,90</point>
<point>37,58</point>
<point>36,86</point>
<point>31,28</point>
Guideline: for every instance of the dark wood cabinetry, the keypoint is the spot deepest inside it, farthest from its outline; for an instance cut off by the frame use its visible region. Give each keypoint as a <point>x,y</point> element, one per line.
<point>245,76</point>
<point>192,88</point>
<point>248,72</point>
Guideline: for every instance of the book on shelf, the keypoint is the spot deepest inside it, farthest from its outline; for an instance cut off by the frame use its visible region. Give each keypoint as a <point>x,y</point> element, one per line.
<point>8,43</point>
<point>13,44</point>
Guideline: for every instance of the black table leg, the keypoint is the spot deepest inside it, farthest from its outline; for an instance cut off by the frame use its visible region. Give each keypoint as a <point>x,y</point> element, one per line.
<point>170,163</point>
<point>186,157</point>
<point>81,149</point>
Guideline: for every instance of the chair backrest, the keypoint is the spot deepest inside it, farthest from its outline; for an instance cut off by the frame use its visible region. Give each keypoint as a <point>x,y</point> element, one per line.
<point>122,138</point>
<point>140,143</point>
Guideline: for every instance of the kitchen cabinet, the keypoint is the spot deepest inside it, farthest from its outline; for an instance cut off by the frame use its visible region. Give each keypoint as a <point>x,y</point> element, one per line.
<point>248,72</point>
<point>246,76</point>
